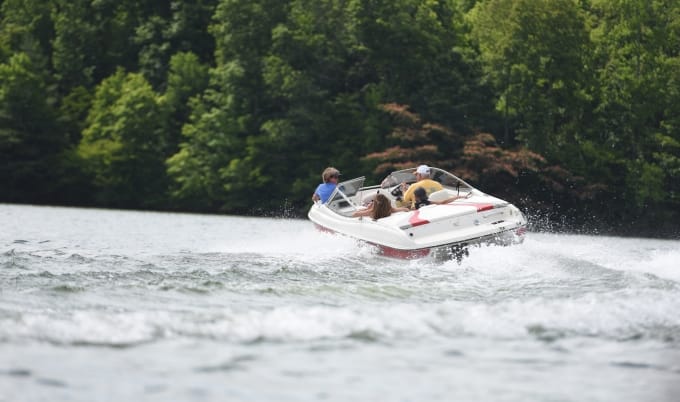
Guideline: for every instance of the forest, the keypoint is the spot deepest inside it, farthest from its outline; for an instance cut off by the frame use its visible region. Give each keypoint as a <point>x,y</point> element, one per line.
<point>568,108</point>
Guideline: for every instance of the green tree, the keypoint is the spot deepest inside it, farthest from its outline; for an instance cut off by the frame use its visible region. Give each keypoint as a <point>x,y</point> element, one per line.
<point>535,53</point>
<point>175,26</point>
<point>417,53</point>
<point>30,143</point>
<point>636,43</point>
<point>314,81</point>
<point>212,168</point>
<point>197,169</point>
<point>123,143</point>
<point>187,78</point>
<point>25,26</point>
<point>76,52</point>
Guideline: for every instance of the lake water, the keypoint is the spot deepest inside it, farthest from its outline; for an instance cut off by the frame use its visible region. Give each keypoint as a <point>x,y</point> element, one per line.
<point>103,305</point>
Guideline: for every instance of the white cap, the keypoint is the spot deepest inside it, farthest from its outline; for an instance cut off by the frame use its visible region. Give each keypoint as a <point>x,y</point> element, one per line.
<point>423,169</point>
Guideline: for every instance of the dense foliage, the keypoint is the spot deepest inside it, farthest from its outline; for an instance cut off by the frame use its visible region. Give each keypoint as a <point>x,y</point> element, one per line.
<point>567,107</point>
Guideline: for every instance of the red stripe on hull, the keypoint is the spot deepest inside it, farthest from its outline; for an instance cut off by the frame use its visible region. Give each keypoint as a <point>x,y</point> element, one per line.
<point>323,228</point>
<point>403,254</point>
<point>388,251</point>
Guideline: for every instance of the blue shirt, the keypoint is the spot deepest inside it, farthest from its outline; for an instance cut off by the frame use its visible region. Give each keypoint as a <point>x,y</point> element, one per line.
<point>324,191</point>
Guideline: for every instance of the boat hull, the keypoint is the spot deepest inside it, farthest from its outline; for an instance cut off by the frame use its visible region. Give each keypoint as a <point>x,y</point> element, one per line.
<point>441,232</point>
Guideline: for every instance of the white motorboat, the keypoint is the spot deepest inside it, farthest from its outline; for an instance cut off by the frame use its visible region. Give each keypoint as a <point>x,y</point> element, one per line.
<point>438,230</point>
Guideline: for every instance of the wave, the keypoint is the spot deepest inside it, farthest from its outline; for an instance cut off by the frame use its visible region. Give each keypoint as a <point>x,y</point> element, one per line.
<point>622,315</point>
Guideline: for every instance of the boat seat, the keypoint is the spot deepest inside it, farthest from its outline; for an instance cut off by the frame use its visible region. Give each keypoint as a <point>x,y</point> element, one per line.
<point>441,195</point>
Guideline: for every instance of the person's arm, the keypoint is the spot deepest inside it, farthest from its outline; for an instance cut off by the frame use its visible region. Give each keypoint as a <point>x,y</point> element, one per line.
<point>363,212</point>
<point>448,200</point>
<point>400,209</point>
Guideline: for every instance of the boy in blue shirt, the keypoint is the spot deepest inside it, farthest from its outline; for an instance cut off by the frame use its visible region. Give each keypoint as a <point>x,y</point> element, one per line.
<point>324,190</point>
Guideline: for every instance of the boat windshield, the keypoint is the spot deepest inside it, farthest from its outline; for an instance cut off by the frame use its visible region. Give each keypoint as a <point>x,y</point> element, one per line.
<point>449,180</point>
<point>407,176</point>
<point>401,176</point>
<point>340,200</point>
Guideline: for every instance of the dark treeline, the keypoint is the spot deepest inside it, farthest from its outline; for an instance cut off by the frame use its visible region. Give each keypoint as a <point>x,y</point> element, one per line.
<point>569,108</point>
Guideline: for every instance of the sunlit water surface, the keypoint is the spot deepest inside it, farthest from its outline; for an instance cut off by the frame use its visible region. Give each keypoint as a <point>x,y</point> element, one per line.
<point>101,305</point>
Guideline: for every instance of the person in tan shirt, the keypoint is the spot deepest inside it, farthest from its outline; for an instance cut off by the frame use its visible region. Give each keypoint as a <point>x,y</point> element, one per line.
<point>422,181</point>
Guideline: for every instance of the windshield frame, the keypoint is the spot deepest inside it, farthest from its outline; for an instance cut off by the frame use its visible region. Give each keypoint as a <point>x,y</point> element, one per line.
<point>407,176</point>
<point>340,200</point>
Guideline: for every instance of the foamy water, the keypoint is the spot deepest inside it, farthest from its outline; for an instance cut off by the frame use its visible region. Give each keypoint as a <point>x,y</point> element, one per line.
<point>100,305</point>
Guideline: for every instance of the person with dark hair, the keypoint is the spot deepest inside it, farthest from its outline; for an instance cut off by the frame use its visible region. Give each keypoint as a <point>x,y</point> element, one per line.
<point>380,207</point>
<point>421,198</point>
<point>324,190</point>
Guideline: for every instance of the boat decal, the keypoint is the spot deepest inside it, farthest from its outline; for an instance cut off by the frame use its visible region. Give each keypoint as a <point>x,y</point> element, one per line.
<point>415,220</point>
